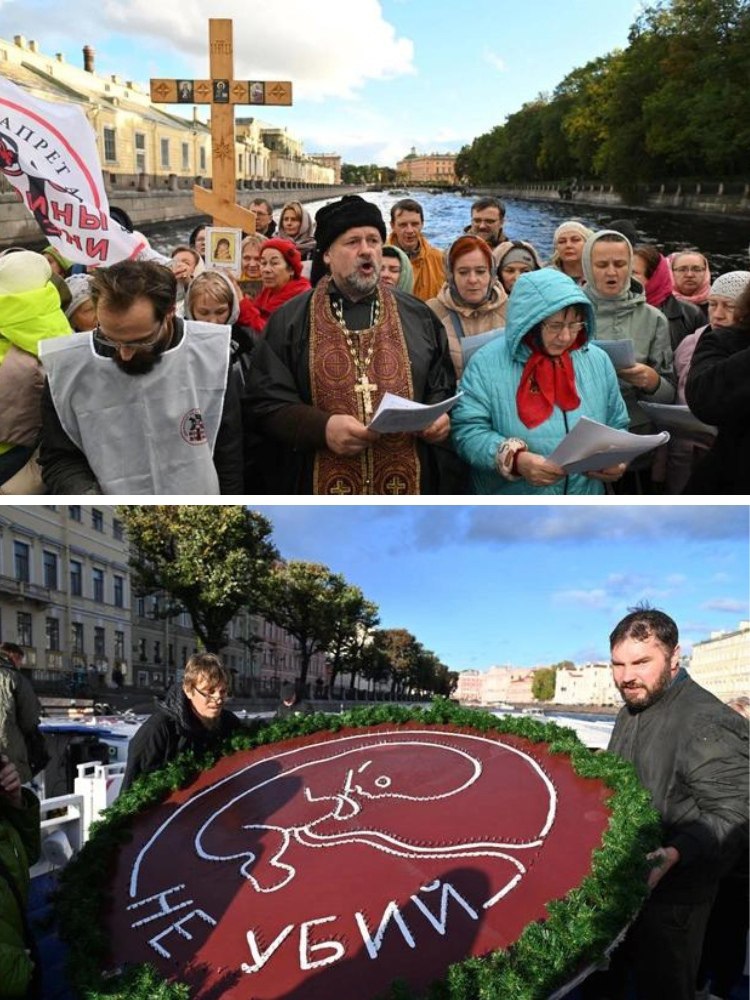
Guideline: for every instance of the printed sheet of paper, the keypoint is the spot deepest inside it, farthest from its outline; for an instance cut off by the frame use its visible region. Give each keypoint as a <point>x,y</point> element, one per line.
<point>470,345</point>
<point>675,418</point>
<point>397,415</point>
<point>592,446</point>
<point>621,352</point>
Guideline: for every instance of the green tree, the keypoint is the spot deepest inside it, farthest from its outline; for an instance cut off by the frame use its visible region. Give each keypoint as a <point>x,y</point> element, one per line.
<point>401,648</point>
<point>210,561</point>
<point>543,684</point>
<point>352,627</point>
<point>307,600</point>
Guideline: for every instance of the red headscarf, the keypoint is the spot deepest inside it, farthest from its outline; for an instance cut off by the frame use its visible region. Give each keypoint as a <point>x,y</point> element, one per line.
<point>547,382</point>
<point>660,284</point>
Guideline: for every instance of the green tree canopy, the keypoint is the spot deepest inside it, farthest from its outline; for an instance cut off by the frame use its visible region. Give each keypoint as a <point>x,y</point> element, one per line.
<point>311,602</point>
<point>543,684</point>
<point>210,561</point>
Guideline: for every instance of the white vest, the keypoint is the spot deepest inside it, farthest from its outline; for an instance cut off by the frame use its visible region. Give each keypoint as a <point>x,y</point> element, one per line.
<point>144,434</point>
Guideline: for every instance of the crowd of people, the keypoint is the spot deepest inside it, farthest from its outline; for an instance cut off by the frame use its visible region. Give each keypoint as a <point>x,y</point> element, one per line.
<point>163,376</point>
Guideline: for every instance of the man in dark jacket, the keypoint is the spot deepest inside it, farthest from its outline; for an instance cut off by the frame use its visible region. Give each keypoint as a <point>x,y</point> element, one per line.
<point>19,710</point>
<point>19,848</point>
<point>691,752</point>
<point>191,717</point>
<point>146,402</point>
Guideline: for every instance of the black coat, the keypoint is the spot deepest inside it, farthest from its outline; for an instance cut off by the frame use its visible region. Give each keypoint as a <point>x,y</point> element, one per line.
<point>279,406</point>
<point>690,750</point>
<point>683,318</point>
<point>718,392</point>
<point>174,729</point>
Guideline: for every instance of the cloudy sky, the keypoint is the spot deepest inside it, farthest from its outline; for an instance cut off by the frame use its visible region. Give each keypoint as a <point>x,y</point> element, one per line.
<point>528,585</point>
<point>371,79</point>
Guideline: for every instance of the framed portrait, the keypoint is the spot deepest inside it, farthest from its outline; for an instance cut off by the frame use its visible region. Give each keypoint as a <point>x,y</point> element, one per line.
<point>185,91</point>
<point>223,249</point>
<point>257,91</point>
<point>221,91</point>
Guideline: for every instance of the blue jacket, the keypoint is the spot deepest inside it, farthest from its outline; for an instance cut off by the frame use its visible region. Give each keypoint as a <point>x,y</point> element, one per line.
<point>487,414</point>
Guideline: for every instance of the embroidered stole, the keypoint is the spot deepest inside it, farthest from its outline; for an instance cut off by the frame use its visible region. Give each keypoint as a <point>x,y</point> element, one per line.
<point>391,465</point>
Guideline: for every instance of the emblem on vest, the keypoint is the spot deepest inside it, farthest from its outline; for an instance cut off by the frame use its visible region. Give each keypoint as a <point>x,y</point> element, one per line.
<point>192,428</point>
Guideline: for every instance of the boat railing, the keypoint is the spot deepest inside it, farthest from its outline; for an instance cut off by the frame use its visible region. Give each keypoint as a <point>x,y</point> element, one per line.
<point>66,819</point>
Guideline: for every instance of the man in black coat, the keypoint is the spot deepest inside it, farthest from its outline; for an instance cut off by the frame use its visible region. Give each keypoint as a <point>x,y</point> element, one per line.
<point>191,717</point>
<point>691,752</point>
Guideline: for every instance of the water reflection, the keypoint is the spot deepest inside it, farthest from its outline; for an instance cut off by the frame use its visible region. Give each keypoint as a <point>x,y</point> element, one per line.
<point>724,242</point>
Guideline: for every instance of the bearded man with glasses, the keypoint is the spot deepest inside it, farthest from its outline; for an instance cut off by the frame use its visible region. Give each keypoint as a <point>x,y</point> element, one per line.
<point>145,403</point>
<point>191,717</point>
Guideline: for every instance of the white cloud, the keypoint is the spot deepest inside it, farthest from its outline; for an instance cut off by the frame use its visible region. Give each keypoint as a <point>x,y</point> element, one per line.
<point>494,60</point>
<point>726,604</point>
<point>327,50</point>
<point>596,598</point>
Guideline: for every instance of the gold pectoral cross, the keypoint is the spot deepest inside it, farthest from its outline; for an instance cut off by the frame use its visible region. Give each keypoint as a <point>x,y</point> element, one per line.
<point>365,388</point>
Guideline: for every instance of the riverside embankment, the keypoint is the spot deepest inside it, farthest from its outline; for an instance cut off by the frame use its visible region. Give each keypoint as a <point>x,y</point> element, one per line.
<point>148,208</point>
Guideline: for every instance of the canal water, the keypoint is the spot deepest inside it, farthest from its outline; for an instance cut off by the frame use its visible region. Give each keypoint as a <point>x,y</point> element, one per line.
<point>724,242</point>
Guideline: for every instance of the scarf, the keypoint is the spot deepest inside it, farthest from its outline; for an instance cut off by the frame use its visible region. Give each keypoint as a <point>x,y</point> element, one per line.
<point>701,296</point>
<point>547,382</point>
<point>660,285</point>
<point>255,312</point>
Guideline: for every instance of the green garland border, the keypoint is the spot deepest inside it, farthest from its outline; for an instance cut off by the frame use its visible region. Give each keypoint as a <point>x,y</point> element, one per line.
<point>579,928</point>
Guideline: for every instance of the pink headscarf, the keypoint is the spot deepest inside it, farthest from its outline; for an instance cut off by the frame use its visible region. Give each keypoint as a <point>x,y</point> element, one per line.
<point>701,296</point>
<point>660,284</point>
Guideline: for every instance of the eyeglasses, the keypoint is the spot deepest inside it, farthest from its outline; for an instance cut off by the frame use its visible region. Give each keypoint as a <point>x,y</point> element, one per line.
<point>557,327</point>
<point>134,345</point>
<point>214,696</point>
<point>692,268</point>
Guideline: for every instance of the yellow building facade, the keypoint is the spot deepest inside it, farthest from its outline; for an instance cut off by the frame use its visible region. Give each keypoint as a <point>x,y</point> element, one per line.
<point>721,663</point>
<point>434,168</point>
<point>142,145</point>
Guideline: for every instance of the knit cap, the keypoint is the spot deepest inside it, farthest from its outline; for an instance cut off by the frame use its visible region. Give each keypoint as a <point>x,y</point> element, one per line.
<point>518,255</point>
<point>731,285</point>
<point>80,290</point>
<point>23,271</point>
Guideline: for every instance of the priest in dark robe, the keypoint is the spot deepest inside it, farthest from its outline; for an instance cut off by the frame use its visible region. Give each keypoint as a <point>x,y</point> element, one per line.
<point>327,359</point>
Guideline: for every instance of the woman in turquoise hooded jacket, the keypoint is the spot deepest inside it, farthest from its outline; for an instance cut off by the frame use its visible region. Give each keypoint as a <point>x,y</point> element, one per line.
<point>523,392</point>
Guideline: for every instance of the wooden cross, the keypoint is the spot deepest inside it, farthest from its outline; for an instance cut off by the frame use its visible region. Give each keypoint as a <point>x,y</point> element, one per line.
<point>222,92</point>
<point>365,388</point>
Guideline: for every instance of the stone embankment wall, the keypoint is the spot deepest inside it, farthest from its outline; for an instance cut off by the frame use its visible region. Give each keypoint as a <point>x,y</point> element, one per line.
<point>19,228</point>
<point>715,198</point>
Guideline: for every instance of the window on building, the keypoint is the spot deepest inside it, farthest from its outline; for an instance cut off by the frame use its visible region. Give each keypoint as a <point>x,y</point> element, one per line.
<point>141,607</point>
<point>117,529</point>
<point>21,561</point>
<point>76,578</point>
<point>49,561</point>
<point>203,159</point>
<point>74,512</point>
<point>99,641</point>
<point>76,637</point>
<point>170,654</point>
<point>184,655</point>
<point>157,652</point>
<point>110,145</point>
<point>119,592</point>
<point>52,634</point>
<point>119,645</point>
<point>142,649</point>
<point>185,156</point>
<point>97,579</point>
<point>97,519</point>
<point>140,152</point>
<point>23,628</point>
<point>164,145</point>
